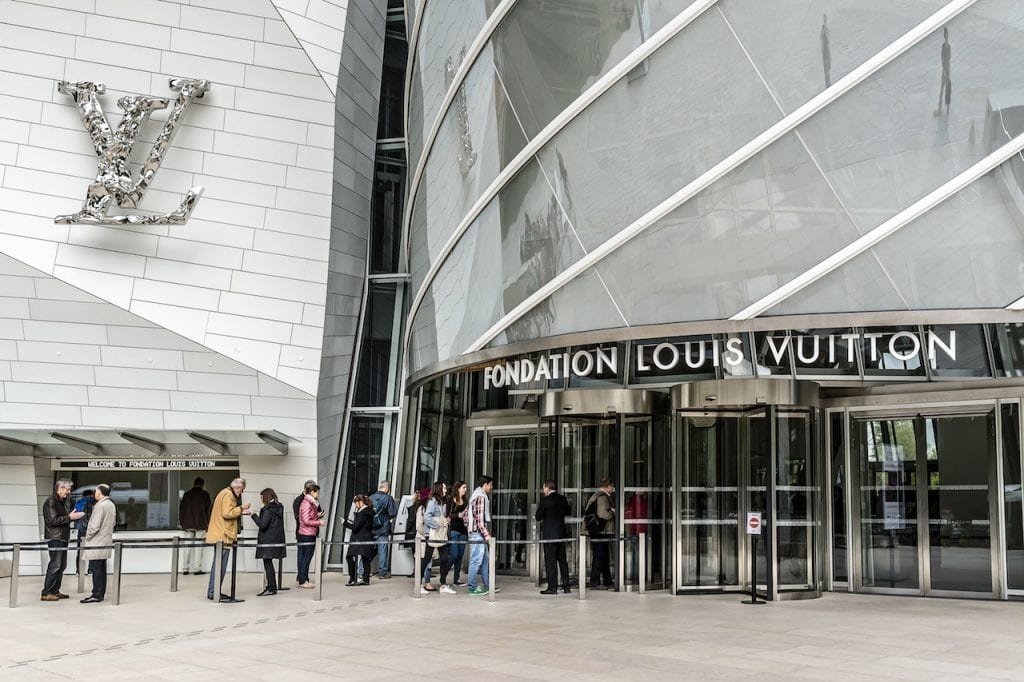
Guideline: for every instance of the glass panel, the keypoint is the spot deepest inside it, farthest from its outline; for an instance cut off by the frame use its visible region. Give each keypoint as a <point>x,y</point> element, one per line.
<point>1012,509</point>
<point>520,242</point>
<point>838,473</point>
<point>886,452</point>
<point>802,46</point>
<point>643,495</point>
<point>368,435</point>
<point>834,355</point>
<point>759,443</point>
<point>773,353</point>
<point>671,360</point>
<point>698,100</point>
<point>893,351</point>
<point>386,210</point>
<point>510,466</point>
<point>1008,347</point>
<point>933,262</point>
<point>709,500</point>
<point>373,374</point>
<point>392,86</point>
<point>547,52</point>
<point>959,450</point>
<point>430,415</point>
<point>758,227</point>
<point>796,499</point>
<point>971,351</point>
<point>447,28</point>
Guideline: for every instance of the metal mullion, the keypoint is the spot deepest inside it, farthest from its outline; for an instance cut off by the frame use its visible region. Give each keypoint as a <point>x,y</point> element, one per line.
<point>998,514</point>
<point>676,481</point>
<point>924,566</point>
<point>771,486</point>
<point>852,533</point>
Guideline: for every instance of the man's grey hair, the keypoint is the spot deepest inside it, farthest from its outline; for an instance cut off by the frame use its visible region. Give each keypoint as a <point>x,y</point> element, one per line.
<point>237,482</point>
<point>63,483</point>
<point>384,487</point>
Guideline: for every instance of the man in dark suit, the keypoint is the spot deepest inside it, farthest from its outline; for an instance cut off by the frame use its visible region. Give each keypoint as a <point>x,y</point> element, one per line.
<point>551,512</point>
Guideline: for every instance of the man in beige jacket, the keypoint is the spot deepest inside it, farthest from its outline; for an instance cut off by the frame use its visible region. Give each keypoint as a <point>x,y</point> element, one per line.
<point>100,534</point>
<point>225,520</point>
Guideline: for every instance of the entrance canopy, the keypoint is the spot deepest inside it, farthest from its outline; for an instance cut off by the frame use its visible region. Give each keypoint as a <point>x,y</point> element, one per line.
<point>126,444</point>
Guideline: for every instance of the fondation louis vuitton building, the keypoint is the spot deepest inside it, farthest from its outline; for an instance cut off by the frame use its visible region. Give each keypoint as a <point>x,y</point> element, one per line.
<point>743,259</point>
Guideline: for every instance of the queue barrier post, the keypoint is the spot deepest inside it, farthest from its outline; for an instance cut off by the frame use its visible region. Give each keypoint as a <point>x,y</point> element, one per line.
<point>218,572</point>
<point>118,550</point>
<point>80,569</point>
<point>174,563</point>
<point>318,569</point>
<point>642,562</point>
<point>12,597</point>
<point>492,557</point>
<point>417,572</point>
<point>280,575</point>
<point>582,571</point>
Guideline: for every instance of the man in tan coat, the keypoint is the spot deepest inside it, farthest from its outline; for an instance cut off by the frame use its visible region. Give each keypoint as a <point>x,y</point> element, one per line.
<point>225,520</point>
<point>100,533</point>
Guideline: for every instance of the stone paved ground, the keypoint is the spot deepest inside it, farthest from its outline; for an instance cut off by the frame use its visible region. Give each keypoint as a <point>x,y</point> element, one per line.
<point>158,635</point>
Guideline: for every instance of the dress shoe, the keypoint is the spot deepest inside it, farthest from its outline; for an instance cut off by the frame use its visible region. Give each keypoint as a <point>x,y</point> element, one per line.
<point>550,590</point>
<point>267,593</point>
<point>350,583</point>
<point>566,590</point>
<point>91,600</point>
<point>49,597</point>
<point>61,595</point>
<point>597,587</point>
<point>185,572</point>
<point>362,582</point>
<point>198,572</point>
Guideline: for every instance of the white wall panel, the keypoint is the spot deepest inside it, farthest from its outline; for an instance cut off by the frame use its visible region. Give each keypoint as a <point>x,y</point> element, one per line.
<point>260,142</point>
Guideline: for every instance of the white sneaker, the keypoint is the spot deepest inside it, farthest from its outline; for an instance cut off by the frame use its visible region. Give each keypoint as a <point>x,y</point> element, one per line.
<point>307,586</point>
<point>447,590</point>
<point>424,590</point>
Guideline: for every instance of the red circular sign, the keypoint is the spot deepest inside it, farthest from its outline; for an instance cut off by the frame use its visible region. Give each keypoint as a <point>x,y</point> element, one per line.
<point>754,522</point>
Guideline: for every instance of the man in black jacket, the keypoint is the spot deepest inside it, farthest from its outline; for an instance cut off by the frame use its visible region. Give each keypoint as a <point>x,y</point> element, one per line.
<point>551,512</point>
<point>193,517</point>
<point>57,533</point>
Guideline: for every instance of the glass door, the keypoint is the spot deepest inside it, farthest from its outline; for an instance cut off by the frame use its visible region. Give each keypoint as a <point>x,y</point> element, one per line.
<point>510,460</point>
<point>925,511</point>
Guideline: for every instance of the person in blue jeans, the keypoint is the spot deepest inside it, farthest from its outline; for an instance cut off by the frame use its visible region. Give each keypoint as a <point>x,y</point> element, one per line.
<point>384,513</point>
<point>309,523</point>
<point>478,522</point>
<point>457,531</point>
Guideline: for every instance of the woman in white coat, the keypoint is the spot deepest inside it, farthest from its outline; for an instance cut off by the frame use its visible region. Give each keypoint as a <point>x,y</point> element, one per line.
<point>100,534</point>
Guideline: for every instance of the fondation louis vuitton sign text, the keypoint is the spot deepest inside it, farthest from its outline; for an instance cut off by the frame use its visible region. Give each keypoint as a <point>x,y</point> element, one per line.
<point>667,357</point>
<point>116,184</point>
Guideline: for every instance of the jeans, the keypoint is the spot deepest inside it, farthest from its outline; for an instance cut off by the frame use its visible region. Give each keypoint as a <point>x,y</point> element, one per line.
<point>55,568</point>
<point>268,568</point>
<point>383,554</point>
<point>225,557</point>
<point>98,568</point>
<point>456,550</point>
<point>194,555</point>
<point>306,548</point>
<point>478,562</point>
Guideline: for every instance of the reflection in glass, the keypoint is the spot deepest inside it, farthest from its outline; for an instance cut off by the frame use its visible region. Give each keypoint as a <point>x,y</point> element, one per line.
<point>838,483</point>
<point>1008,347</point>
<point>887,457</point>
<point>894,351</point>
<point>376,366</point>
<point>971,352</point>
<point>834,356</point>
<point>386,212</point>
<point>796,499</point>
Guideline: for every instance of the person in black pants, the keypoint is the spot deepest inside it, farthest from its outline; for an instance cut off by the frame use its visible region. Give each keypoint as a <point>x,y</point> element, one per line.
<point>359,555</point>
<point>603,507</point>
<point>551,512</point>
<point>57,532</point>
<point>270,521</point>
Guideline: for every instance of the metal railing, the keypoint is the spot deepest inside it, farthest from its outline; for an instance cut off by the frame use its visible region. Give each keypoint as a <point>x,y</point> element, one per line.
<point>317,564</point>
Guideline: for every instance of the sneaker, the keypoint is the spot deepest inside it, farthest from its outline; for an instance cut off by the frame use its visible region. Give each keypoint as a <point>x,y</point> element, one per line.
<point>447,590</point>
<point>458,583</point>
<point>477,590</point>
<point>424,590</point>
<point>429,587</point>
<point>307,586</point>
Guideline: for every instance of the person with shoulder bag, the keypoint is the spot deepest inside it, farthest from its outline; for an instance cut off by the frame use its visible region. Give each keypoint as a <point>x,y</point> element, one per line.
<point>360,551</point>
<point>435,534</point>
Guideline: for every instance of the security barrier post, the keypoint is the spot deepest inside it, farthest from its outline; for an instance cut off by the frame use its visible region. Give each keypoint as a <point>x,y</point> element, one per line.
<point>80,566</point>
<point>492,545</point>
<point>416,568</point>
<point>117,573</point>
<point>174,563</point>
<point>582,591</point>
<point>12,597</point>
<point>642,563</point>
<point>318,569</point>
<point>218,559</point>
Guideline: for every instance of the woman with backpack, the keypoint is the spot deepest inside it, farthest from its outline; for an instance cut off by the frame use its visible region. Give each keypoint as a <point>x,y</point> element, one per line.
<point>457,531</point>
<point>361,547</point>
<point>270,521</point>
<point>434,532</point>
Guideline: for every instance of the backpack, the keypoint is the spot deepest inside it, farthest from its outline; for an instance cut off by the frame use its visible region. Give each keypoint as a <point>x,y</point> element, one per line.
<point>591,522</point>
<point>381,520</point>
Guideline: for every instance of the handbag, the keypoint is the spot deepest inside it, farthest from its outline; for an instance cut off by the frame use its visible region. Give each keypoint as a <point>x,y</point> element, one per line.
<point>438,537</point>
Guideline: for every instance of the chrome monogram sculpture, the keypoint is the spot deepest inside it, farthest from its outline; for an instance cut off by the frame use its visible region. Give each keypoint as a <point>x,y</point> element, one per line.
<point>467,157</point>
<point>114,178</point>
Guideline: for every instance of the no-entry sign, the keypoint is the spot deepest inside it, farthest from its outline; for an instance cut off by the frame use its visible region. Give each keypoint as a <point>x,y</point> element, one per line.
<point>753,523</point>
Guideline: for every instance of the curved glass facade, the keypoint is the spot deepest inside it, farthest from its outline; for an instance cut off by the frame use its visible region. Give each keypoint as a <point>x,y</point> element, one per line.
<point>915,123</point>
